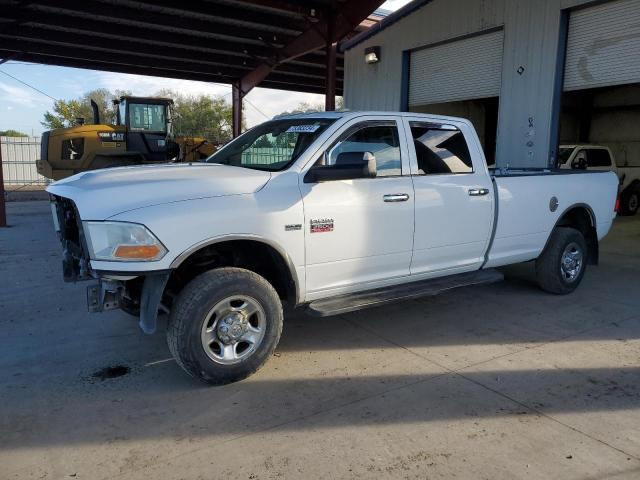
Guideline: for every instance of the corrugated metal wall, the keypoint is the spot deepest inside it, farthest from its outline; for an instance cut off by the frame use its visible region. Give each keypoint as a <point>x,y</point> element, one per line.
<point>378,86</point>
<point>531,39</point>
<point>604,45</point>
<point>19,155</point>
<point>475,73</point>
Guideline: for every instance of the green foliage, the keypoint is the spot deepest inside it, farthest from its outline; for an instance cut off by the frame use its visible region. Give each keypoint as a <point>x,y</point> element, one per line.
<point>263,142</point>
<point>65,112</point>
<point>200,116</point>
<point>192,115</point>
<point>12,133</point>
<point>306,107</point>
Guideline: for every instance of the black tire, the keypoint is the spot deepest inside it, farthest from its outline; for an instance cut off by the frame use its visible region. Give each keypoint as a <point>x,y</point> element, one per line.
<point>193,307</point>
<point>629,202</point>
<point>550,274</point>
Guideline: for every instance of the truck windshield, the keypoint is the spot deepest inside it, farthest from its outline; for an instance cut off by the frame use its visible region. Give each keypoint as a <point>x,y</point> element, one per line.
<point>273,145</point>
<point>145,117</point>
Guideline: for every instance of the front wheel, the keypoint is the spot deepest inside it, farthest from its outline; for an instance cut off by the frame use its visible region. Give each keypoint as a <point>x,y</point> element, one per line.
<point>224,325</point>
<point>561,266</point>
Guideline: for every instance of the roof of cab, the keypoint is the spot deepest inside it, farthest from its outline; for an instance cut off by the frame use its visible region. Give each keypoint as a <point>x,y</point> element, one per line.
<point>354,114</point>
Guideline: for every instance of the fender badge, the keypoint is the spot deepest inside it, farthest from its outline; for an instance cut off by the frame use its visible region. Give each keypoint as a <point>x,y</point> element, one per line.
<point>322,225</point>
<point>292,227</point>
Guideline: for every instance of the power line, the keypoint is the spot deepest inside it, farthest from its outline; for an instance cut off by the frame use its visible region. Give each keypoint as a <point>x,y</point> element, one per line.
<point>214,83</point>
<point>258,110</point>
<point>30,86</point>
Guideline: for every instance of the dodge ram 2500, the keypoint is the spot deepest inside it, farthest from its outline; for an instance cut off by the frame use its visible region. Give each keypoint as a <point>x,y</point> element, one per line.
<point>597,157</point>
<point>331,212</point>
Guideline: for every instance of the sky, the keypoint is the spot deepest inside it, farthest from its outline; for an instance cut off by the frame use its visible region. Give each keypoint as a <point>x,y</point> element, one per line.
<point>22,108</point>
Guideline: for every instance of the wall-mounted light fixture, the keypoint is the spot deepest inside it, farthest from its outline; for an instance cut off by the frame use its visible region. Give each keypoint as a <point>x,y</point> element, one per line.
<point>372,55</point>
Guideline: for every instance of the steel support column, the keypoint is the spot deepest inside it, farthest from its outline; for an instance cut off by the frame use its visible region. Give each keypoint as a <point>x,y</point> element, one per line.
<point>3,211</point>
<point>330,65</point>
<point>236,107</point>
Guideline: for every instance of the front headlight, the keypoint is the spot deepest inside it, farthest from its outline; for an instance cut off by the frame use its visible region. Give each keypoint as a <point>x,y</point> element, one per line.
<point>122,242</point>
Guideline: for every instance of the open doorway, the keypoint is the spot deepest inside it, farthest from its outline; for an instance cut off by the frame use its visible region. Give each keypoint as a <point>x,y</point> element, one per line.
<point>482,112</point>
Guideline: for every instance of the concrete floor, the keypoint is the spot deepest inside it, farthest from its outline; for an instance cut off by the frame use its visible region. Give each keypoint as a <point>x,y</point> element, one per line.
<point>493,382</point>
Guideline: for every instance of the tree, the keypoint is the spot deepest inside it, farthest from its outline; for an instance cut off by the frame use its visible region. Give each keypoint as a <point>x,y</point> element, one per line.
<point>12,133</point>
<point>306,107</point>
<point>65,112</point>
<point>201,116</point>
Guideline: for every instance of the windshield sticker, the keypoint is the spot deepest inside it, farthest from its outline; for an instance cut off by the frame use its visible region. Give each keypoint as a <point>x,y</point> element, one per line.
<point>303,128</point>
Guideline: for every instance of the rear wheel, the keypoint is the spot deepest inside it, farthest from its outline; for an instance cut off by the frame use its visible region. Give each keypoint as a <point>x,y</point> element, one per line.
<point>224,325</point>
<point>561,266</point>
<point>629,202</point>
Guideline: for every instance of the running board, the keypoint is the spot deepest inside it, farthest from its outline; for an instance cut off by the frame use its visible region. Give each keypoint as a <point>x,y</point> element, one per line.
<point>381,296</point>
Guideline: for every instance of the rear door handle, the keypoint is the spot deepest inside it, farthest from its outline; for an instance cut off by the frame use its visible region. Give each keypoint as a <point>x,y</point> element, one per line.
<point>478,192</point>
<point>396,197</point>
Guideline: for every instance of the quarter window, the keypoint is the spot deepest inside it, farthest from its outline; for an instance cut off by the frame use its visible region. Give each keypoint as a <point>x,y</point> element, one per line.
<point>379,138</point>
<point>440,149</point>
<point>598,157</point>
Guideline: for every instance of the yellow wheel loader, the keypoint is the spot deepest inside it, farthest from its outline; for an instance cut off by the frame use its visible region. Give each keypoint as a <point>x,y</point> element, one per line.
<point>142,135</point>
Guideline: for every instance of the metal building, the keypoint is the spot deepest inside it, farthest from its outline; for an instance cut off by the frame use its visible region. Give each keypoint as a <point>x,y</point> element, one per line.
<point>529,74</point>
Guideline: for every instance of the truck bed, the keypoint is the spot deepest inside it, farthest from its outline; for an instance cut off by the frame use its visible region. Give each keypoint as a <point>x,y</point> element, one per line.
<point>530,203</point>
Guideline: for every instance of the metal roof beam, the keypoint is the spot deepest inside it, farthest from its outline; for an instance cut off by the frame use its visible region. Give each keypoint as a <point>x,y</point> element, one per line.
<point>218,12</point>
<point>347,17</point>
<point>279,82</point>
<point>195,40</point>
<point>150,61</point>
<point>31,37</point>
<point>134,17</point>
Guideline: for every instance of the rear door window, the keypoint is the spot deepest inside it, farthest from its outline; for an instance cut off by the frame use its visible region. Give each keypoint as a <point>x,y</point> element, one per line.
<point>440,149</point>
<point>598,157</point>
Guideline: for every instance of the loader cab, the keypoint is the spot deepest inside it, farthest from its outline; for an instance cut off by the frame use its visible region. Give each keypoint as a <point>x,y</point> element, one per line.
<point>148,127</point>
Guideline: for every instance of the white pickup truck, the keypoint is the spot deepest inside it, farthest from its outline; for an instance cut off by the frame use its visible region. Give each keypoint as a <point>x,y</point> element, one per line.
<point>598,157</point>
<point>331,212</point>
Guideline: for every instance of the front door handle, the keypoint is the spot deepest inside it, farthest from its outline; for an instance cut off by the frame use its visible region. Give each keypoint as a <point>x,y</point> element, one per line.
<point>396,197</point>
<point>478,192</point>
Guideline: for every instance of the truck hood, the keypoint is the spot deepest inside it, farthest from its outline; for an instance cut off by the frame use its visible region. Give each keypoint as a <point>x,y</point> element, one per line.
<point>100,194</point>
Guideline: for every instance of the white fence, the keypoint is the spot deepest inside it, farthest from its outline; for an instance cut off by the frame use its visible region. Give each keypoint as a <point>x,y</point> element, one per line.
<point>19,155</point>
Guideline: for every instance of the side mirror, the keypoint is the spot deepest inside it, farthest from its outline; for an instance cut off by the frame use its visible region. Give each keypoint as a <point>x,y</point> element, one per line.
<point>348,166</point>
<point>579,163</point>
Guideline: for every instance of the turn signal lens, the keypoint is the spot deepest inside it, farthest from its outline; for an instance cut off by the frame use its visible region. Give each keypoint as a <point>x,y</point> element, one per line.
<point>617,207</point>
<point>137,252</point>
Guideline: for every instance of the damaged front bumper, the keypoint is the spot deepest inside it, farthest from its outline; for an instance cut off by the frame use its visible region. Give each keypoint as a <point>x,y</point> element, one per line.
<point>137,295</point>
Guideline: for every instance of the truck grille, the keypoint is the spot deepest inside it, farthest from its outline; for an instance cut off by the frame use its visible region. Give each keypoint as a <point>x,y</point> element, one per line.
<point>75,261</point>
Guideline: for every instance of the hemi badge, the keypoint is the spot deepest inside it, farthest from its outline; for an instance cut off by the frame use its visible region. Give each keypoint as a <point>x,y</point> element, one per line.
<point>290,228</point>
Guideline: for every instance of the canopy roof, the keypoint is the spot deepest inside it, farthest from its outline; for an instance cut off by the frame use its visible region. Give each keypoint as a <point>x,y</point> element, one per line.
<point>272,43</point>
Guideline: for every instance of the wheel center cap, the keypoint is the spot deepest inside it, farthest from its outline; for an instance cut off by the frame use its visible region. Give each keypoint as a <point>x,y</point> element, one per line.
<point>232,327</point>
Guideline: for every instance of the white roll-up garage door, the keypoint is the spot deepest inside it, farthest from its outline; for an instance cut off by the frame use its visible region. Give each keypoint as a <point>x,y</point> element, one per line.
<point>603,47</point>
<point>459,70</point>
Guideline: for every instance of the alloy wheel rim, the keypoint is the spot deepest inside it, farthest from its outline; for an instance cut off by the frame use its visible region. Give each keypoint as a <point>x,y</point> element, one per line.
<point>233,329</point>
<point>571,262</point>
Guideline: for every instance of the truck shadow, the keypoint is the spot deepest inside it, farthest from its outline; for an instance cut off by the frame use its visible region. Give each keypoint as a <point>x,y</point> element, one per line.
<point>174,407</point>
